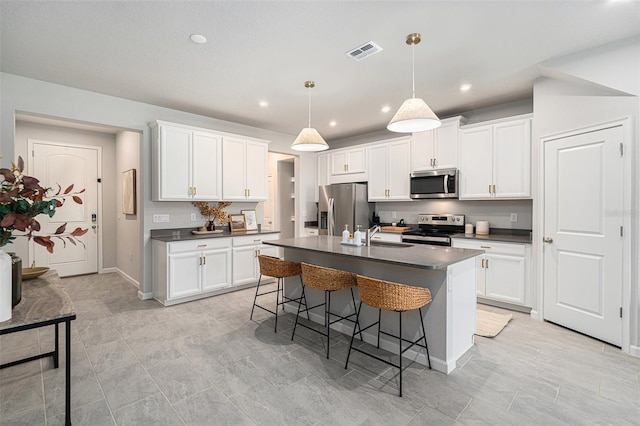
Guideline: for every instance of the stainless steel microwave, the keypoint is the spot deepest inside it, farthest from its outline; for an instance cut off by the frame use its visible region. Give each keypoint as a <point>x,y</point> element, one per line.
<point>441,183</point>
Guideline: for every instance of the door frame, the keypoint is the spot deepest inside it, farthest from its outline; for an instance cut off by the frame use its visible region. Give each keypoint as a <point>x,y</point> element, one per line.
<point>30,144</point>
<point>628,198</point>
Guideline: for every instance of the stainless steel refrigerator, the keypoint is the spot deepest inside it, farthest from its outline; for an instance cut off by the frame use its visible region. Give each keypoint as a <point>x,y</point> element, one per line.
<point>340,204</point>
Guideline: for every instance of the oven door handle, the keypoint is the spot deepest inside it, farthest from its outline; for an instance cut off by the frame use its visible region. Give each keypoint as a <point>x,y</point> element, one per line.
<point>446,184</point>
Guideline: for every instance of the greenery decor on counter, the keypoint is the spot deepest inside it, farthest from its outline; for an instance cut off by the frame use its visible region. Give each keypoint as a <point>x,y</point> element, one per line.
<point>212,213</point>
<point>22,199</point>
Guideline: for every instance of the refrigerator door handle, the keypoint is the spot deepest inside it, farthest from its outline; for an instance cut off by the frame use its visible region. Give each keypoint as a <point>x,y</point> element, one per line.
<point>332,218</point>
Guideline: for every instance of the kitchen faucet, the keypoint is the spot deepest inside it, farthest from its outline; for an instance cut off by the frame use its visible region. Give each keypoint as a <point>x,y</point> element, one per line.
<point>370,232</point>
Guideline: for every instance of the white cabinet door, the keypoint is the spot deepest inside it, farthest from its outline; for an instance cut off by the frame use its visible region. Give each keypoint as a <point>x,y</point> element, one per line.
<point>256,171</point>
<point>505,278</point>
<point>348,161</point>
<point>512,159</point>
<point>387,236</point>
<point>422,150</point>
<point>233,172</point>
<point>244,265</point>
<point>323,173</point>
<point>445,145</point>
<point>206,161</point>
<point>216,269</point>
<point>174,169</point>
<point>476,163</point>
<point>184,279</point>
<point>481,279</point>
<point>398,165</point>
<point>378,164</point>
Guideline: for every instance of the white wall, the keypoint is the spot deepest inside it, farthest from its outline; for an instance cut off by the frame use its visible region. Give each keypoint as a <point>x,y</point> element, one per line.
<point>50,133</point>
<point>580,95</point>
<point>128,226</point>
<point>20,94</point>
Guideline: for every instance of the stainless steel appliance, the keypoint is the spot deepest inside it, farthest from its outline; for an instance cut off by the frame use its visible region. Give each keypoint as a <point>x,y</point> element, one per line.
<point>340,204</point>
<point>435,229</point>
<point>441,183</point>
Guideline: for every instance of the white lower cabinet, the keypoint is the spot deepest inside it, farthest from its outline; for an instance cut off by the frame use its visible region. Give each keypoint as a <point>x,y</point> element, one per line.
<point>503,272</point>
<point>189,270</point>
<point>245,256</point>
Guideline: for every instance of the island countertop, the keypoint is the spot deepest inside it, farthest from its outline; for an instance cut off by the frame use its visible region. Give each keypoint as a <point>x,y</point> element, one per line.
<point>416,255</point>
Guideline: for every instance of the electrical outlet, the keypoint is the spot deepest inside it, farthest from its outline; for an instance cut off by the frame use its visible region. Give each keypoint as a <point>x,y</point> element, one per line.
<point>160,218</point>
<point>514,217</point>
<point>193,217</point>
<point>393,215</point>
<point>130,257</point>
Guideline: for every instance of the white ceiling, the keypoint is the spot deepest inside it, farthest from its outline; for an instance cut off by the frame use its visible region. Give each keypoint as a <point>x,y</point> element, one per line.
<point>265,50</point>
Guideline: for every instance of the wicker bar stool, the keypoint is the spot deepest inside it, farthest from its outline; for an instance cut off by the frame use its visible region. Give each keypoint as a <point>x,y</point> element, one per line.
<point>327,280</point>
<point>277,268</point>
<point>390,296</point>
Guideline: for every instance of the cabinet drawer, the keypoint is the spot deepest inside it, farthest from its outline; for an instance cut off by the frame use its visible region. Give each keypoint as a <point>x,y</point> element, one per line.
<point>492,246</point>
<point>198,245</point>
<point>252,240</point>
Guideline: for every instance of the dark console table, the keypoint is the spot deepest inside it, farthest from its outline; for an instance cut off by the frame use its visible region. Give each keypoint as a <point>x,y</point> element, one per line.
<point>44,302</point>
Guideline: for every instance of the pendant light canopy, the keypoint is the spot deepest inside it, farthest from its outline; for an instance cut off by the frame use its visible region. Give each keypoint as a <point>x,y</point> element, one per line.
<point>309,139</point>
<point>414,114</point>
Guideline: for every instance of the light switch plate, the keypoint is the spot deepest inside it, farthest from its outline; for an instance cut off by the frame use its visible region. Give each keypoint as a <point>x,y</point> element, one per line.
<point>514,217</point>
<point>193,217</point>
<point>160,218</point>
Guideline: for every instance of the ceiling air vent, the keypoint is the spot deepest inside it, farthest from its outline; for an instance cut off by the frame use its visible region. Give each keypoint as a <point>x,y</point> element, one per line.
<point>361,52</point>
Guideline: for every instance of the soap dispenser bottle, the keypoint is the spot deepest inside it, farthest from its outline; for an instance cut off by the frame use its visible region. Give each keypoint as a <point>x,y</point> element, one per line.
<point>345,234</point>
<point>357,236</point>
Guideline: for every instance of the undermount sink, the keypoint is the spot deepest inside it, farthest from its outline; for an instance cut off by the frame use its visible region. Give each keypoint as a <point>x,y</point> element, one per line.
<point>390,244</point>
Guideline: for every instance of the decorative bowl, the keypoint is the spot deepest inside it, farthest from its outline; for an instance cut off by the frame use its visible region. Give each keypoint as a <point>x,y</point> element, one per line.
<point>33,272</point>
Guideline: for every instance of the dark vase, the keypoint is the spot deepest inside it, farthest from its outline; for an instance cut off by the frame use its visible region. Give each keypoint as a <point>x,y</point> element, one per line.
<point>16,279</point>
<point>211,226</point>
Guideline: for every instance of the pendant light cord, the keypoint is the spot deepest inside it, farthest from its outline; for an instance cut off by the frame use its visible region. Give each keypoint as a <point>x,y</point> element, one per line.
<point>309,106</point>
<point>413,70</point>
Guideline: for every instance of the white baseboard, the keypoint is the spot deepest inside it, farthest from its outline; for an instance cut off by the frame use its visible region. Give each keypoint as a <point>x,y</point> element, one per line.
<point>418,356</point>
<point>634,350</point>
<point>108,270</point>
<point>535,314</point>
<point>127,277</point>
<point>144,296</point>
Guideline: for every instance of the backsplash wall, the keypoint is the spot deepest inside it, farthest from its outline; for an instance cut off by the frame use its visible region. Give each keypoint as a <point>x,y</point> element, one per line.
<point>498,213</point>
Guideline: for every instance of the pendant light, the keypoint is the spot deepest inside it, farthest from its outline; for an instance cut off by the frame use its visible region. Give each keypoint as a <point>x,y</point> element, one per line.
<point>414,114</point>
<point>309,139</point>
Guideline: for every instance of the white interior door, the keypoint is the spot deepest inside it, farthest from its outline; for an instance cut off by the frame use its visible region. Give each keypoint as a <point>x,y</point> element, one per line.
<point>583,181</point>
<point>65,165</point>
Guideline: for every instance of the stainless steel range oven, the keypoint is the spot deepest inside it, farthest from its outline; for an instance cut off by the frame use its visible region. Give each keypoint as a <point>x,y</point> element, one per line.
<point>435,229</point>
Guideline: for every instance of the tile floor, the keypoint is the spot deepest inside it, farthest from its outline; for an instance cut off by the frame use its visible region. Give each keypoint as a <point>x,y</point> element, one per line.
<point>204,363</point>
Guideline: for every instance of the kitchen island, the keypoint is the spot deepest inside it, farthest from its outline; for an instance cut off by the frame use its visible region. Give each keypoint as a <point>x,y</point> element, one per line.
<point>449,273</point>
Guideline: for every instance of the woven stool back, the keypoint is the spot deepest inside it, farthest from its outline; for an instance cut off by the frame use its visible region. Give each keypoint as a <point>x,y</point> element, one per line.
<point>321,278</point>
<point>278,268</point>
<point>392,296</point>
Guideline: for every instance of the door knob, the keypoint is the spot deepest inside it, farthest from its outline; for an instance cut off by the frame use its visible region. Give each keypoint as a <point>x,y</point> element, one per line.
<point>548,240</point>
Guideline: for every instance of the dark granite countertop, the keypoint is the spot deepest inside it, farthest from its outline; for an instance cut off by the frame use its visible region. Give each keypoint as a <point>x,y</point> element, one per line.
<point>500,234</point>
<point>43,299</point>
<point>415,255</point>
<point>184,234</point>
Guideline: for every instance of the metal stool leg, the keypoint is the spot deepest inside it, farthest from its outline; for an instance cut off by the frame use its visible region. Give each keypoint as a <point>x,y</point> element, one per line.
<point>400,347</point>
<point>424,334</point>
<point>328,319</point>
<point>302,297</point>
<point>275,328</point>
<point>355,310</point>
<point>354,334</point>
<point>379,325</point>
<point>255,298</point>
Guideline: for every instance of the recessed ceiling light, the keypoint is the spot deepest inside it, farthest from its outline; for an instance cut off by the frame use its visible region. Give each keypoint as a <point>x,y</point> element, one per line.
<point>332,123</point>
<point>465,87</point>
<point>197,38</point>
<point>385,108</point>
<point>264,104</point>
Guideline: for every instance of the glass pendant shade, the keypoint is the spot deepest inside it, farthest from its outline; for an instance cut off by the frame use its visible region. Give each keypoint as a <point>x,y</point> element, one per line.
<point>309,140</point>
<point>414,115</point>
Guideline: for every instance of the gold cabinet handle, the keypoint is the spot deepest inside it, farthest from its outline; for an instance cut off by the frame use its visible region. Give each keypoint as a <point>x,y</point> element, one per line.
<point>487,264</point>
<point>200,260</point>
<point>435,162</point>
<point>482,265</point>
<point>195,190</point>
<point>494,189</point>
<point>249,192</point>
<point>204,260</point>
<point>485,247</point>
<point>489,188</point>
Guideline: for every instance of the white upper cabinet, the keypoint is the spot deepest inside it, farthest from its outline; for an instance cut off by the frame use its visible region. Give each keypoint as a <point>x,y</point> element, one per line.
<point>389,163</point>
<point>437,148</point>
<point>348,165</point>
<point>323,172</point>
<point>187,162</point>
<point>495,160</point>
<point>245,169</point>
